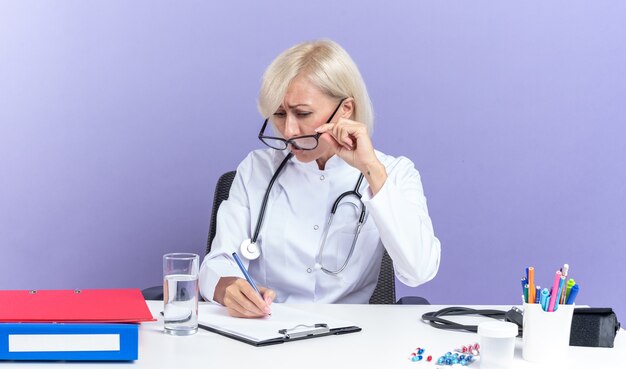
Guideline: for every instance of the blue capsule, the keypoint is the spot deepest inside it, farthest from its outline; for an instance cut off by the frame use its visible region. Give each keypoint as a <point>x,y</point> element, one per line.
<point>463,362</point>
<point>441,360</point>
<point>448,361</point>
<point>420,351</point>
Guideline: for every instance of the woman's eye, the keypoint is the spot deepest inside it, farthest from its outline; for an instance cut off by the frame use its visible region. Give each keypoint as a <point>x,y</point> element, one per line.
<point>279,114</point>
<point>304,113</point>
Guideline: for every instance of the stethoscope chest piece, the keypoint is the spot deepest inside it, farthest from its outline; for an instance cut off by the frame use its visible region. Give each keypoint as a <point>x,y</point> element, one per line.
<point>250,250</point>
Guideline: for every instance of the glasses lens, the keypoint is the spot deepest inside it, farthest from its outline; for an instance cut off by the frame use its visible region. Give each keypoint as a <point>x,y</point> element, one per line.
<point>274,143</point>
<point>305,143</point>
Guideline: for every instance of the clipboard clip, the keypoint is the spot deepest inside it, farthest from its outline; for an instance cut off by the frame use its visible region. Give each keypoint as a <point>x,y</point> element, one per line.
<point>303,330</point>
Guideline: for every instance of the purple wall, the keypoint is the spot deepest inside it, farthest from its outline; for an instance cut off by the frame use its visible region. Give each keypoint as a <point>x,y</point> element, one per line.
<point>116,118</point>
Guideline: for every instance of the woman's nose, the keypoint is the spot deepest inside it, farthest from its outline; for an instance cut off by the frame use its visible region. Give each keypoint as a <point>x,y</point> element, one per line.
<point>291,127</point>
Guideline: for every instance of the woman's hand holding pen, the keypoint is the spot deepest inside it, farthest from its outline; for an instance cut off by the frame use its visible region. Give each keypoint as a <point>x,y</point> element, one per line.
<point>241,300</point>
<point>352,143</point>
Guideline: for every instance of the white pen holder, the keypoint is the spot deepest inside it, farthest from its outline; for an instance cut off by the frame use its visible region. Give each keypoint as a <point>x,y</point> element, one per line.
<point>546,334</point>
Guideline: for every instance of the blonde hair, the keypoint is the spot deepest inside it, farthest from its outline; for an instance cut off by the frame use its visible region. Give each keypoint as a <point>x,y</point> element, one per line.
<point>325,64</point>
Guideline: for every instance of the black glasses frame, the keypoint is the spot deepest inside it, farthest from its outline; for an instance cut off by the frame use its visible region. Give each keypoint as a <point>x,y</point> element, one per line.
<point>292,140</point>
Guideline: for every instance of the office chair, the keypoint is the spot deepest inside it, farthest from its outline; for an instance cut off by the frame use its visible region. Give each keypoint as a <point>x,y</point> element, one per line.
<point>222,189</point>
<point>384,293</point>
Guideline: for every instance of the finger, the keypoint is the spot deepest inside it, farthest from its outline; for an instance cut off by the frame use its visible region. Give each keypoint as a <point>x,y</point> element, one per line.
<point>327,134</point>
<point>237,310</point>
<point>347,140</point>
<point>355,136</point>
<point>332,129</point>
<point>325,128</point>
<point>236,293</point>
<point>343,135</point>
<point>268,295</point>
<point>255,299</point>
<point>330,140</point>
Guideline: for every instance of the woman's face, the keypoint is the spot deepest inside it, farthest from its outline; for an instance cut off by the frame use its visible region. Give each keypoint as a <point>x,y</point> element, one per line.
<point>305,108</point>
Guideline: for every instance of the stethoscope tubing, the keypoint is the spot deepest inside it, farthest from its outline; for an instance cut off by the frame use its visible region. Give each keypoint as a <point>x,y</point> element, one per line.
<point>355,193</point>
<point>253,254</point>
<point>259,222</point>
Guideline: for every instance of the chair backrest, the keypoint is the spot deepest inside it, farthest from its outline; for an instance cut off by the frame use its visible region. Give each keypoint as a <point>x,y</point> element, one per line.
<point>222,189</point>
<point>385,292</point>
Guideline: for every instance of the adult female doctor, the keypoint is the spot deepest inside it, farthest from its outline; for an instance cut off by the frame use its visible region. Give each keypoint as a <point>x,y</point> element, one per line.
<point>317,103</point>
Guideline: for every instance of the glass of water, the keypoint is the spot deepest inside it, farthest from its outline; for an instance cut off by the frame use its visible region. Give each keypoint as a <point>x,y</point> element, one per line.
<point>180,293</point>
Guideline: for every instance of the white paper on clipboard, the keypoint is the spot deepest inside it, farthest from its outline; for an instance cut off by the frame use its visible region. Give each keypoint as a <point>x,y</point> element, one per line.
<point>283,318</point>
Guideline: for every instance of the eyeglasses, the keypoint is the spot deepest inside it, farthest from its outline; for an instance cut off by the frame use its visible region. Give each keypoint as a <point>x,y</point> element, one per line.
<point>305,142</point>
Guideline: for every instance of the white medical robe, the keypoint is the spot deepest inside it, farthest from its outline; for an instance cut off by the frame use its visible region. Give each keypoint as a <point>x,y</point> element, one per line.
<point>297,213</point>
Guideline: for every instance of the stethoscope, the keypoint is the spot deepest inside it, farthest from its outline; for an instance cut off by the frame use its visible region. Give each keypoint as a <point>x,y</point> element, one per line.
<point>251,251</point>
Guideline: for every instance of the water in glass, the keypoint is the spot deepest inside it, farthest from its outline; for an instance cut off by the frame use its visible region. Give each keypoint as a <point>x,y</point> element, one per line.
<point>180,293</point>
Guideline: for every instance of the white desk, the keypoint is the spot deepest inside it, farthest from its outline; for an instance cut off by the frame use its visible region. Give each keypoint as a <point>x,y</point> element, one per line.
<point>390,333</point>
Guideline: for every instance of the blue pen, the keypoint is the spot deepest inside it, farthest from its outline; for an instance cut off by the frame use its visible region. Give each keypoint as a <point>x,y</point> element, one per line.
<point>537,294</point>
<point>545,297</point>
<point>572,294</point>
<point>245,274</point>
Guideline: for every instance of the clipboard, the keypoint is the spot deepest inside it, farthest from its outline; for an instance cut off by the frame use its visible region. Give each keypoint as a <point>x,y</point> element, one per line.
<point>286,324</point>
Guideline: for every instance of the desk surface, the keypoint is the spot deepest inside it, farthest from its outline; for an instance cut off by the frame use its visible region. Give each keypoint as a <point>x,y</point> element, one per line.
<point>390,333</point>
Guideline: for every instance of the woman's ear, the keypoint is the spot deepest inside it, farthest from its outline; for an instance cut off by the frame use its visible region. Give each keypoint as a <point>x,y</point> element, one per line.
<point>347,108</point>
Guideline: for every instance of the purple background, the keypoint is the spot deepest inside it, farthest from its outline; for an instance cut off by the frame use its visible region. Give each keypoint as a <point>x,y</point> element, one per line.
<point>117,117</point>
